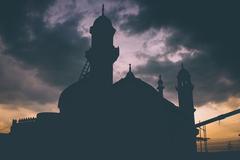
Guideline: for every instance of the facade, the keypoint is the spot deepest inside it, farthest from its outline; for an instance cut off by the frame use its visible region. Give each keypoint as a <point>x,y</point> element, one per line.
<point>98,119</point>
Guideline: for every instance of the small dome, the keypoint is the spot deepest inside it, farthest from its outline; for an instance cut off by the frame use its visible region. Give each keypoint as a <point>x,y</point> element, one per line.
<point>102,25</point>
<point>183,73</point>
<point>132,84</point>
<point>102,21</point>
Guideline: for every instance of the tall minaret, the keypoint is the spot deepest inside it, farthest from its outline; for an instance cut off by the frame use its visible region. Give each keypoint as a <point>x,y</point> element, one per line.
<point>185,91</point>
<point>185,98</point>
<point>102,53</point>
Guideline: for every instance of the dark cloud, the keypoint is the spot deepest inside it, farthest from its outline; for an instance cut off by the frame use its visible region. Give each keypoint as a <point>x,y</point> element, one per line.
<point>211,27</point>
<point>58,52</point>
<point>55,51</point>
<point>212,23</point>
<point>37,60</point>
<point>211,84</point>
<point>21,86</point>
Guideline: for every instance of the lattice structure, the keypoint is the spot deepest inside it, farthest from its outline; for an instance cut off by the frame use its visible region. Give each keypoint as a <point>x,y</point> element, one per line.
<point>85,71</point>
<point>216,146</point>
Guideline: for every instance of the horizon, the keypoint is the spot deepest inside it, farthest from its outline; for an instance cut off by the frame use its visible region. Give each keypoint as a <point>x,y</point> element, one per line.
<point>41,41</point>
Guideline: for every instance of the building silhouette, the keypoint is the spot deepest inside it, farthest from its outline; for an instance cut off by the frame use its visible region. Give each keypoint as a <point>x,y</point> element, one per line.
<point>100,120</point>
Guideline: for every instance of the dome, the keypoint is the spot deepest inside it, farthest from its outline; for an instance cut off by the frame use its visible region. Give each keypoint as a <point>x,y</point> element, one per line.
<point>134,83</point>
<point>102,21</point>
<point>134,86</point>
<point>102,25</point>
<point>135,89</point>
<point>74,95</point>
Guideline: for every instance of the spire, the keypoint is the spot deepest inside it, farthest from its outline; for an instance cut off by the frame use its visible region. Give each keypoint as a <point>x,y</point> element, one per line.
<point>182,65</point>
<point>160,86</point>
<point>103,10</point>
<point>130,74</point>
<point>160,79</point>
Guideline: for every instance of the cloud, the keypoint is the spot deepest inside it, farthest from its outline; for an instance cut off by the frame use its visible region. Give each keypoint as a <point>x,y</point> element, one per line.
<point>54,37</point>
<point>21,85</point>
<point>57,52</point>
<point>210,25</point>
<point>51,38</point>
<point>43,44</point>
<point>211,83</point>
<point>43,47</point>
<point>206,41</point>
<point>42,50</point>
<point>10,112</point>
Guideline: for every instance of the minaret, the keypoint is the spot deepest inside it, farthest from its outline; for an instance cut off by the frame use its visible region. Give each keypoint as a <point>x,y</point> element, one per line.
<point>102,54</point>
<point>185,98</point>
<point>160,86</point>
<point>185,89</point>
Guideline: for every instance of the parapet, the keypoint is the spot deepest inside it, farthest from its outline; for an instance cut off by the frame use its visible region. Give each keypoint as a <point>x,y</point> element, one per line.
<point>26,120</point>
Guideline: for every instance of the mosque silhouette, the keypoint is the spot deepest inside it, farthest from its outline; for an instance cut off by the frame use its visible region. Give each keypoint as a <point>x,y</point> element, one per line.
<point>100,120</point>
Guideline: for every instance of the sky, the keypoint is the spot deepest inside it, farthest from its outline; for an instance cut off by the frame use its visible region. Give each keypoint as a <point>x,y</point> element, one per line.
<point>43,43</point>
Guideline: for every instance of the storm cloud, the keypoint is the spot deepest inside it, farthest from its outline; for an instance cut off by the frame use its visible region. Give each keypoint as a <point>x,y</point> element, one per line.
<point>209,27</point>
<point>48,40</point>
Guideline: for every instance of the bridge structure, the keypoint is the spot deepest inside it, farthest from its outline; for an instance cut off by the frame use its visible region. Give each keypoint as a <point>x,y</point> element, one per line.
<point>201,126</point>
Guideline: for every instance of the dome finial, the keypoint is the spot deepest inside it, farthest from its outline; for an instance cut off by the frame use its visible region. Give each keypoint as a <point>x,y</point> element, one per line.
<point>160,86</point>
<point>130,74</point>
<point>182,65</point>
<point>102,9</point>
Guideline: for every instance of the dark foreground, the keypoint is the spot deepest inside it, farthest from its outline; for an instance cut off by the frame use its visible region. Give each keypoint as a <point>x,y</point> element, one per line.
<point>233,155</point>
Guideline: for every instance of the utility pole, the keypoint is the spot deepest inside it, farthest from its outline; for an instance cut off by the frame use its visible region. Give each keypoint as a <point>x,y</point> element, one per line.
<point>205,138</point>
<point>200,139</point>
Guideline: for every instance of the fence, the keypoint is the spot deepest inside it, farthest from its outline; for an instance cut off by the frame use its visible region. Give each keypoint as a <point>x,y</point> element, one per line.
<point>217,145</point>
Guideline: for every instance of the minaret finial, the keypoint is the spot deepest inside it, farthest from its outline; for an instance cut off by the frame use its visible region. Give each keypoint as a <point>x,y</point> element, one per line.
<point>103,9</point>
<point>182,65</point>
<point>160,76</point>
<point>160,86</point>
<point>130,68</point>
